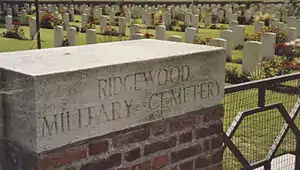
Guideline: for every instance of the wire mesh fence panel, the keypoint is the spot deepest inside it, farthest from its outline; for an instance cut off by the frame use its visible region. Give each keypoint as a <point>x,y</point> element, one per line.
<point>233,103</point>
<point>257,135</point>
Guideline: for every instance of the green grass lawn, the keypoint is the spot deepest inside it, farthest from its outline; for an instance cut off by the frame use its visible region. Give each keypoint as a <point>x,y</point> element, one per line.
<point>47,37</point>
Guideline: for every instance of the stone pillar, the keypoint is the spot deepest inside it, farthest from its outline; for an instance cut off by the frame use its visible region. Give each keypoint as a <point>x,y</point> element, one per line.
<point>160,32</point>
<point>58,36</point>
<point>32,27</point>
<point>8,22</point>
<point>66,20</point>
<point>190,35</point>
<point>258,26</point>
<point>228,36</point>
<point>252,56</point>
<point>218,42</point>
<point>127,136</point>
<point>134,28</point>
<point>268,41</point>
<point>291,33</point>
<point>239,36</point>
<point>71,34</point>
<point>91,36</point>
<point>174,38</point>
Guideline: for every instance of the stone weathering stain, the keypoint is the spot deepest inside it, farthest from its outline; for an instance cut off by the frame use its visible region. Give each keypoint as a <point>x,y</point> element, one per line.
<point>115,93</point>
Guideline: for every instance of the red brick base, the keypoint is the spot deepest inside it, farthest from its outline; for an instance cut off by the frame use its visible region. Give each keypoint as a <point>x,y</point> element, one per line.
<point>187,142</point>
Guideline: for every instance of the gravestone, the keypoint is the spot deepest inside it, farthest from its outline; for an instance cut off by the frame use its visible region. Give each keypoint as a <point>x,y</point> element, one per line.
<point>91,36</point>
<point>8,22</point>
<point>268,41</point>
<point>190,34</point>
<point>160,32</point>
<point>103,22</point>
<point>32,27</point>
<point>228,36</point>
<point>71,35</point>
<point>252,56</point>
<point>70,101</point>
<point>291,33</point>
<point>175,38</point>
<point>58,36</point>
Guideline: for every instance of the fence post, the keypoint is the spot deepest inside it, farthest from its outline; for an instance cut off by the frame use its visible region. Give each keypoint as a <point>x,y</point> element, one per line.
<point>297,164</point>
<point>2,148</point>
<point>261,97</point>
<point>267,166</point>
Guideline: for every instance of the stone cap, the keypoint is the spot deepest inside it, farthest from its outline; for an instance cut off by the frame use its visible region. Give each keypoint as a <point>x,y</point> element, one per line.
<point>69,59</point>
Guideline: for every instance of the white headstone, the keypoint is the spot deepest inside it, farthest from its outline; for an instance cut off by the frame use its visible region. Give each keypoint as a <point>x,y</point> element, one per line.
<point>9,11</point>
<point>298,27</point>
<point>175,38</point>
<point>134,28</point>
<point>58,36</point>
<point>66,20</point>
<point>160,32</point>
<point>218,42</point>
<point>279,25</point>
<point>103,22</point>
<point>23,16</point>
<point>84,20</point>
<point>71,35</point>
<point>122,26</point>
<point>8,22</point>
<point>137,36</point>
<point>228,36</point>
<point>268,41</point>
<point>195,21</point>
<point>291,33</point>
<point>239,36</point>
<point>252,56</point>
<point>91,36</point>
<point>32,27</point>
<point>258,26</point>
<point>190,34</point>
<point>233,24</point>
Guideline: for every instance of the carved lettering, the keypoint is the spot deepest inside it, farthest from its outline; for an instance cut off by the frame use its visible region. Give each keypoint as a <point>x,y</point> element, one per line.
<point>50,129</point>
<point>112,105</point>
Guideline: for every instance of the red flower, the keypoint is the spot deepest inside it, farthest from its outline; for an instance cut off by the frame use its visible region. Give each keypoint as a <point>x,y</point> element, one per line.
<point>16,23</point>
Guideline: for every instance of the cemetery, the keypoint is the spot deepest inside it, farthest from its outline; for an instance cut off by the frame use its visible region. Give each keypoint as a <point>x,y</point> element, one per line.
<point>152,86</point>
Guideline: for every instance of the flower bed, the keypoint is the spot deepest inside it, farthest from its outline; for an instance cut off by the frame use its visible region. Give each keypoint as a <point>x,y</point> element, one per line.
<point>281,35</point>
<point>15,32</point>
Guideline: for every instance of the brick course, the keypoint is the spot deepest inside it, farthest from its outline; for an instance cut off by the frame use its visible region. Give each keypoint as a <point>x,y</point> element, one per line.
<point>186,142</point>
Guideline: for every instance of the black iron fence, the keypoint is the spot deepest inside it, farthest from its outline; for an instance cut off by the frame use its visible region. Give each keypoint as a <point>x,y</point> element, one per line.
<point>261,124</point>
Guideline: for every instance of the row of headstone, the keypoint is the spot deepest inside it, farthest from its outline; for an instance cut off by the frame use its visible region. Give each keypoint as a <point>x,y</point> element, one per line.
<point>192,14</point>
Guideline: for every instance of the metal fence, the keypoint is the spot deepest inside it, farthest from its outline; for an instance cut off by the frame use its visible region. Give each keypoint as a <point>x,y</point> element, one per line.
<point>261,124</point>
